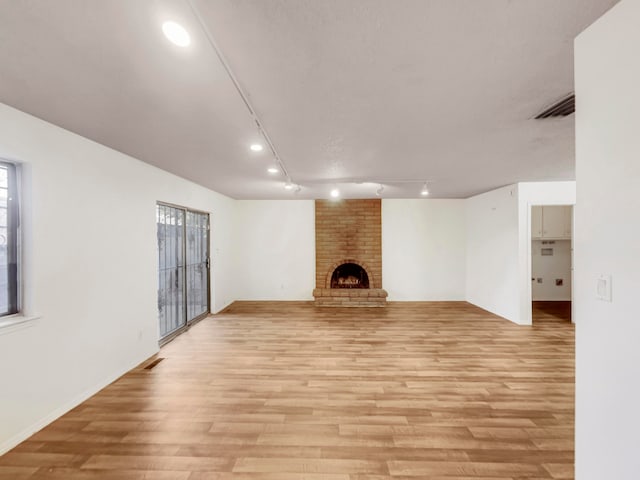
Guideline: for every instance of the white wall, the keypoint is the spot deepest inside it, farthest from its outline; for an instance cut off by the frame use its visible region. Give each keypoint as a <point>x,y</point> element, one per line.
<point>423,249</point>
<point>549,268</point>
<point>498,276</point>
<point>90,269</point>
<point>492,273</point>
<point>607,241</point>
<point>275,249</point>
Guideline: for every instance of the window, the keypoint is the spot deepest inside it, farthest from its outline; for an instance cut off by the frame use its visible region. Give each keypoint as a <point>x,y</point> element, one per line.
<point>9,223</point>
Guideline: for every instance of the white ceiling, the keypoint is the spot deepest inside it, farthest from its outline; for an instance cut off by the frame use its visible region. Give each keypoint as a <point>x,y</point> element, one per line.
<point>366,91</point>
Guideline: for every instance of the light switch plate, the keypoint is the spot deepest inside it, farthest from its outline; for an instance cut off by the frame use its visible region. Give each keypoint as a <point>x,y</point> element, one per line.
<point>603,288</point>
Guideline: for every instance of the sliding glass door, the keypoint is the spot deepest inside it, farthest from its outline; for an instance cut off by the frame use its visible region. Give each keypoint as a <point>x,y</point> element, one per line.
<point>183,268</point>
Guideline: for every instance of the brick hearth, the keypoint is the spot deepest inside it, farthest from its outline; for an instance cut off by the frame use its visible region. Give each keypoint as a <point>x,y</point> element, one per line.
<point>349,231</point>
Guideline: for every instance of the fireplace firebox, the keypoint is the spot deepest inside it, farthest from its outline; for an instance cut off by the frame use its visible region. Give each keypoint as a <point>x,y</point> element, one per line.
<point>349,275</point>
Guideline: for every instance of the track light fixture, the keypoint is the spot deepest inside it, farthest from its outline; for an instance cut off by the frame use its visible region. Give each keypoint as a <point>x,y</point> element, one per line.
<point>266,142</point>
<point>425,190</point>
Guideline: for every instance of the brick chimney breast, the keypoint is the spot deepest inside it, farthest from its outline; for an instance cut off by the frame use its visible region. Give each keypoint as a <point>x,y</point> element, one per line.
<point>349,250</point>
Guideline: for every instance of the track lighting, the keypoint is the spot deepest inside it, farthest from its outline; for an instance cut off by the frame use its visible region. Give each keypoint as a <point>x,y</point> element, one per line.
<point>425,191</point>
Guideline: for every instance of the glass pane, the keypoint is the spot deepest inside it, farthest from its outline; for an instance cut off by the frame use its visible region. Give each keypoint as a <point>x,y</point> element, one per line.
<point>197,271</point>
<point>4,241</point>
<point>171,308</point>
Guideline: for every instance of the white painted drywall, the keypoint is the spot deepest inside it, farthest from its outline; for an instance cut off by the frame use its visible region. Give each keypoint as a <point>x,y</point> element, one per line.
<point>550,268</point>
<point>423,249</point>
<point>275,249</point>
<point>529,194</point>
<point>90,269</point>
<point>492,273</point>
<point>607,241</point>
<point>498,275</point>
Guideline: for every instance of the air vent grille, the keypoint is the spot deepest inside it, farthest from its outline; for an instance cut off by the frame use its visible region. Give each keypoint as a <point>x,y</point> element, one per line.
<point>154,363</point>
<point>563,108</point>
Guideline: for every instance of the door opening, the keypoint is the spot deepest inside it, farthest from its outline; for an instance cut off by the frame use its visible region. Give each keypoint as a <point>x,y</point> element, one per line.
<point>551,263</point>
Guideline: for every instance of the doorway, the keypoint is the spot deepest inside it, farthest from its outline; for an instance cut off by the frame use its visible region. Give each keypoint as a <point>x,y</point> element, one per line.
<point>183,268</point>
<point>551,263</point>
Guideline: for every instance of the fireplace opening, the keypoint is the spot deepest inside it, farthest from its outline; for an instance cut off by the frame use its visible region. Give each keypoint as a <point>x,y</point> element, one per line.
<point>349,275</point>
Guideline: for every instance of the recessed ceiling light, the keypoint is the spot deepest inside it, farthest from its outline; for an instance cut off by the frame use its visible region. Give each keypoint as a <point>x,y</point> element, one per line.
<point>288,185</point>
<point>256,147</point>
<point>272,170</point>
<point>335,193</point>
<point>176,34</point>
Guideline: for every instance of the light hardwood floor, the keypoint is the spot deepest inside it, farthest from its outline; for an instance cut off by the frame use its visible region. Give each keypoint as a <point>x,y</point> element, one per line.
<point>287,391</point>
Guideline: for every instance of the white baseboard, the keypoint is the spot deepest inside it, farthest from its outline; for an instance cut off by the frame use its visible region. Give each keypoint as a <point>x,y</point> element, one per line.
<point>58,412</point>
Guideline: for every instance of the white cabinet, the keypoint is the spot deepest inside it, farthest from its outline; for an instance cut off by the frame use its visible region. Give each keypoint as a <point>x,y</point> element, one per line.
<point>551,222</point>
<point>536,222</point>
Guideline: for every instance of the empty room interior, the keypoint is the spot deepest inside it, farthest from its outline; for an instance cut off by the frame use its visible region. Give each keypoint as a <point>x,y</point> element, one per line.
<point>319,239</point>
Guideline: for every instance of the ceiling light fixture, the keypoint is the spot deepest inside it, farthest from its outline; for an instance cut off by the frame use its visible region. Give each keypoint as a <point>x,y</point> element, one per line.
<point>176,34</point>
<point>272,170</point>
<point>335,193</point>
<point>288,185</point>
<point>380,190</point>
<point>425,191</point>
<point>256,147</point>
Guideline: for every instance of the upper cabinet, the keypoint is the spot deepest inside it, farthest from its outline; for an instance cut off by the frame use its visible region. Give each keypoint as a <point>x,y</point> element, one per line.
<point>536,222</point>
<point>551,222</point>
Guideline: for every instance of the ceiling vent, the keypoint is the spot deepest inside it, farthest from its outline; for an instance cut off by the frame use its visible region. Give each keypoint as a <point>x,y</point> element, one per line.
<point>563,108</point>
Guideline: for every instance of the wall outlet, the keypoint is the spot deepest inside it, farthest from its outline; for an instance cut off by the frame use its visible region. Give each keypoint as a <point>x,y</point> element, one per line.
<point>603,288</point>
<point>559,282</point>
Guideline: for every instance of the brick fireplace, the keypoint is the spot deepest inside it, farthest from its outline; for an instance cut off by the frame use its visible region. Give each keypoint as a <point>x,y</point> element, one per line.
<point>349,254</point>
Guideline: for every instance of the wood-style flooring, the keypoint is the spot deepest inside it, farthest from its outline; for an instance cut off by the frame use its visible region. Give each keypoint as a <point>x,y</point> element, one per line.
<point>288,391</point>
<point>551,312</point>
